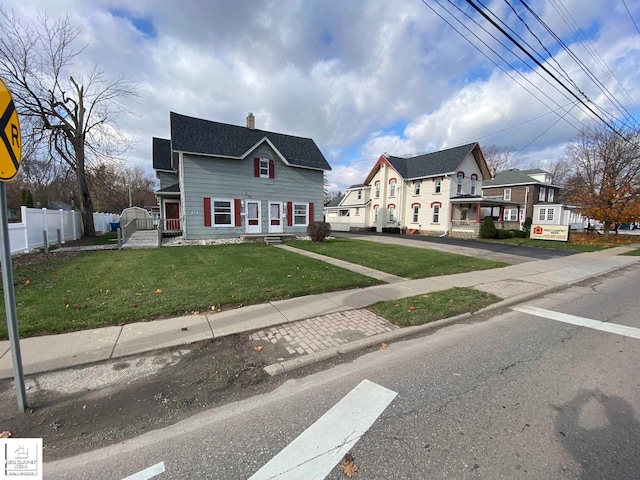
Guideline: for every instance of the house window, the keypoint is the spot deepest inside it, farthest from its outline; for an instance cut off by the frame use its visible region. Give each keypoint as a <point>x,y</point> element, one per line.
<point>436,213</point>
<point>359,194</point>
<point>416,212</point>
<point>550,195</point>
<point>507,194</point>
<point>438,186</point>
<point>542,194</point>
<point>264,168</point>
<point>511,214</point>
<point>300,214</point>
<point>375,214</point>
<point>550,214</point>
<point>416,186</point>
<point>460,177</point>
<point>377,189</point>
<point>357,211</point>
<point>473,185</point>
<point>222,213</point>
<point>392,188</point>
<point>344,213</point>
<point>542,215</point>
<point>392,213</point>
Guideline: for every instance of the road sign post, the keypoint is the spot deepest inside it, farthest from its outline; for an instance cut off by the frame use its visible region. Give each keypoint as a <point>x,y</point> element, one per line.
<point>10,158</point>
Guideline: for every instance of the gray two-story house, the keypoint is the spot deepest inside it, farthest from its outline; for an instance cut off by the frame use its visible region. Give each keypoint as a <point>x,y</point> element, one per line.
<point>226,181</point>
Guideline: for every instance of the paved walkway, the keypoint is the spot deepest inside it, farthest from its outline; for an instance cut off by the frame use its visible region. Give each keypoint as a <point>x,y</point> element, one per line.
<point>310,326</point>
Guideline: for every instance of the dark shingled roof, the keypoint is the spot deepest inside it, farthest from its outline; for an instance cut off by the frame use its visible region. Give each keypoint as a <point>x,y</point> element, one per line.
<point>510,177</point>
<point>194,135</point>
<point>431,164</point>
<point>175,188</point>
<point>161,154</point>
<point>335,201</point>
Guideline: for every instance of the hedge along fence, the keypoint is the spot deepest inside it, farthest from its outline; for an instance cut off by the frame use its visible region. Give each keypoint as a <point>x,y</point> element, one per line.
<point>30,232</point>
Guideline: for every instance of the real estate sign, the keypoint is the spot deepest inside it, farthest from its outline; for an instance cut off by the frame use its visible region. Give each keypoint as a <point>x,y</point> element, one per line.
<point>558,233</point>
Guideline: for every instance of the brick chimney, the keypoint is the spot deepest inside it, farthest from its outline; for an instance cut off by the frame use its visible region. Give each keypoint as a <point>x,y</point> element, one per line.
<point>251,121</point>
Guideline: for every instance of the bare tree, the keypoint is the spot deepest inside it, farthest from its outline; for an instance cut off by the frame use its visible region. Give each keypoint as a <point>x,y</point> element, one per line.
<point>77,115</point>
<point>605,176</point>
<point>499,158</point>
<point>116,187</point>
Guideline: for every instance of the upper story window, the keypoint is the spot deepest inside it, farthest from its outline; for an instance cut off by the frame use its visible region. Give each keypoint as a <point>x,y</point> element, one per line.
<point>263,168</point>
<point>359,194</point>
<point>460,177</point>
<point>392,188</point>
<point>438,186</point>
<point>550,195</point>
<point>377,189</point>
<point>416,187</point>
<point>543,191</point>
<point>507,194</point>
<point>473,185</point>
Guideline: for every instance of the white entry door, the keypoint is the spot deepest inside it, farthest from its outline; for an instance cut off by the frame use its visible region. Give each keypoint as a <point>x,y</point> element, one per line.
<point>252,216</point>
<point>275,217</point>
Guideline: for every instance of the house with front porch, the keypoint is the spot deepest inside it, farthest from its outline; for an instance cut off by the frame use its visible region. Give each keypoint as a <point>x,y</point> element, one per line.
<point>437,193</point>
<point>226,181</point>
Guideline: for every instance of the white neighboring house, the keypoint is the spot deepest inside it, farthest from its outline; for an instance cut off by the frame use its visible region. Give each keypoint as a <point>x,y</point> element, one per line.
<point>438,193</point>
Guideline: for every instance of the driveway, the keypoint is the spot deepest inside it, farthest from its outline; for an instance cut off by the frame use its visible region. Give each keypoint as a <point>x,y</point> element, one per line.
<point>491,250</point>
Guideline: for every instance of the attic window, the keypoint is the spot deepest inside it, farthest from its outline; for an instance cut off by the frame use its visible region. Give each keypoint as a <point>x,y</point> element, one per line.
<point>264,168</point>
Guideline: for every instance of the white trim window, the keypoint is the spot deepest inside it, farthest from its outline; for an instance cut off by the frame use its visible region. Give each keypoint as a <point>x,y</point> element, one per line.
<point>460,178</point>
<point>473,185</point>
<point>416,187</point>
<point>550,214</point>
<point>392,188</point>
<point>392,213</point>
<point>359,194</point>
<point>438,188</point>
<point>550,195</point>
<point>511,214</point>
<point>377,189</point>
<point>300,211</point>
<point>542,214</point>
<point>436,214</point>
<point>264,168</point>
<point>507,194</point>
<point>543,192</point>
<point>222,212</point>
<point>375,214</point>
<point>416,213</point>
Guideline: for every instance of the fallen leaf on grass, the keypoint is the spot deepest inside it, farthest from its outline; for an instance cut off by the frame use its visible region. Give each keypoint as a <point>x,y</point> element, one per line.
<point>5,434</point>
<point>412,308</point>
<point>349,467</point>
<point>27,282</point>
<point>258,348</point>
<point>158,291</point>
<point>384,346</point>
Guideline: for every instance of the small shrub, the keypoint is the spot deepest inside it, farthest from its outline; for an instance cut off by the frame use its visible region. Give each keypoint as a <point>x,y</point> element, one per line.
<point>488,228</point>
<point>502,234</point>
<point>518,234</point>
<point>318,231</point>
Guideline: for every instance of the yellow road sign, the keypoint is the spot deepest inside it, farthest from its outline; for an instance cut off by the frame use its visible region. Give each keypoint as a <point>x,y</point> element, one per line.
<point>10,140</point>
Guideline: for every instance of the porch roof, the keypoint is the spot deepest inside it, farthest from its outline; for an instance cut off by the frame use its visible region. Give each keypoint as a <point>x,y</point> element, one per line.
<point>170,191</point>
<point>485,201</point>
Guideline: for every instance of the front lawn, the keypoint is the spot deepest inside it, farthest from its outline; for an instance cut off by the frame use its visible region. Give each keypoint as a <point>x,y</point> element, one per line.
<point>421,309</point>
<point>67,292</point>
<point>406,262</point>
<point>578,242</point>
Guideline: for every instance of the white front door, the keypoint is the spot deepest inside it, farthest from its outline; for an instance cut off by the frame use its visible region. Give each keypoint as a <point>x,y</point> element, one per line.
<point>275,217</point>
<point>252,216</point>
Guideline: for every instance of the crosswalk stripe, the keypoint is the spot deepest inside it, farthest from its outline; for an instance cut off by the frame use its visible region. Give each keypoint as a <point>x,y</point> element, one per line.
<point>580,321</point>
<point>317,450</point>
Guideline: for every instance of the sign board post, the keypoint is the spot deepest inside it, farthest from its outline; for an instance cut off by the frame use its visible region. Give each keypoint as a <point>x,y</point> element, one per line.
<point>10,158</point>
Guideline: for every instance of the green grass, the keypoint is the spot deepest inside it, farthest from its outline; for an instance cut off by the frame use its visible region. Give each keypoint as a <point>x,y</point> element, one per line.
<point>406,262</point>
<point>553,245</point>
<point>95,289</point>
<point>633,253</point>
<point>429,307</point>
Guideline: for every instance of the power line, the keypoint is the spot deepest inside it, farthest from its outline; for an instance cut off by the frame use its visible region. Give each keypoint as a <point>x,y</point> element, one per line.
<point>632,20</point>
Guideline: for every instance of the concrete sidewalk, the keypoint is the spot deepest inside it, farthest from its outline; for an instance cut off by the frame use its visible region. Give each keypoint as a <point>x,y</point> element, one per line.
<point>322,322</point>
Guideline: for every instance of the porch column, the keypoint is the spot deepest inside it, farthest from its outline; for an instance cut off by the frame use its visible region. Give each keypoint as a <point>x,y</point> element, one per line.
<point>501,213</point>
<point>478,206</point>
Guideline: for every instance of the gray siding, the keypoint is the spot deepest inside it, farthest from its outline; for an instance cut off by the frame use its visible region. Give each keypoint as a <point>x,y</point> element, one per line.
<point>234,179</point>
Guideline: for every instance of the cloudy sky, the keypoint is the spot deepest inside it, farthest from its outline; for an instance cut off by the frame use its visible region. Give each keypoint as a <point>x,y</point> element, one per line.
<point>365,77</point>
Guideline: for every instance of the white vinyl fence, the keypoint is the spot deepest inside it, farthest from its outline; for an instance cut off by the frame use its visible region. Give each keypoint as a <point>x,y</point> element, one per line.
<point>29,233</point>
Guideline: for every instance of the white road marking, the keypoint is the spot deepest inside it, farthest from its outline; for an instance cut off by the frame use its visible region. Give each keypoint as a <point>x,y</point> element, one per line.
<point>147,473</point>
<point>581,321</point>
<point>319,448</point>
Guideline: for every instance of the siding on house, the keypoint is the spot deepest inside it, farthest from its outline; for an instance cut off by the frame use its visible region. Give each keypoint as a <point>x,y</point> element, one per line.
<point>167,179</point>
<point>222,178</point>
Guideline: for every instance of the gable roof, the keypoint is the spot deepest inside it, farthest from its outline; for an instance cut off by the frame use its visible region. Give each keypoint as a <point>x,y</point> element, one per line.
<point>161,154</point>
<point>205,137</point>
<point>512,177</point>
<point>335,201</point>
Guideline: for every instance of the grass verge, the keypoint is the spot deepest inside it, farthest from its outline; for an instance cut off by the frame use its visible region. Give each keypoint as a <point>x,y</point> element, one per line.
<point>68,292</point>
<point>406,262</point>
<point>578,242</point>
<point>633,253</point>
<point>429,307</point>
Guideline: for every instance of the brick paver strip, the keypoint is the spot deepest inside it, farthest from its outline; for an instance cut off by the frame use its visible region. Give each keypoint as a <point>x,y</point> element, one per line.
<point>326,331</point>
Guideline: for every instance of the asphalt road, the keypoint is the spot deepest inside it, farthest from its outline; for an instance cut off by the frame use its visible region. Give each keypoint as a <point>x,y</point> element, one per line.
<point>533,253</point>
<point>507,397</point>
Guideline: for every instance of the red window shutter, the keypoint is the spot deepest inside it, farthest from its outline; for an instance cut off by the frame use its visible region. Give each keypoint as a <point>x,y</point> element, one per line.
<point>310,212</point>
<point>289,213</point>
<point>272,169</point>
<point>256,167</point>
<point>237,207</point>
<point>207,211</point>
